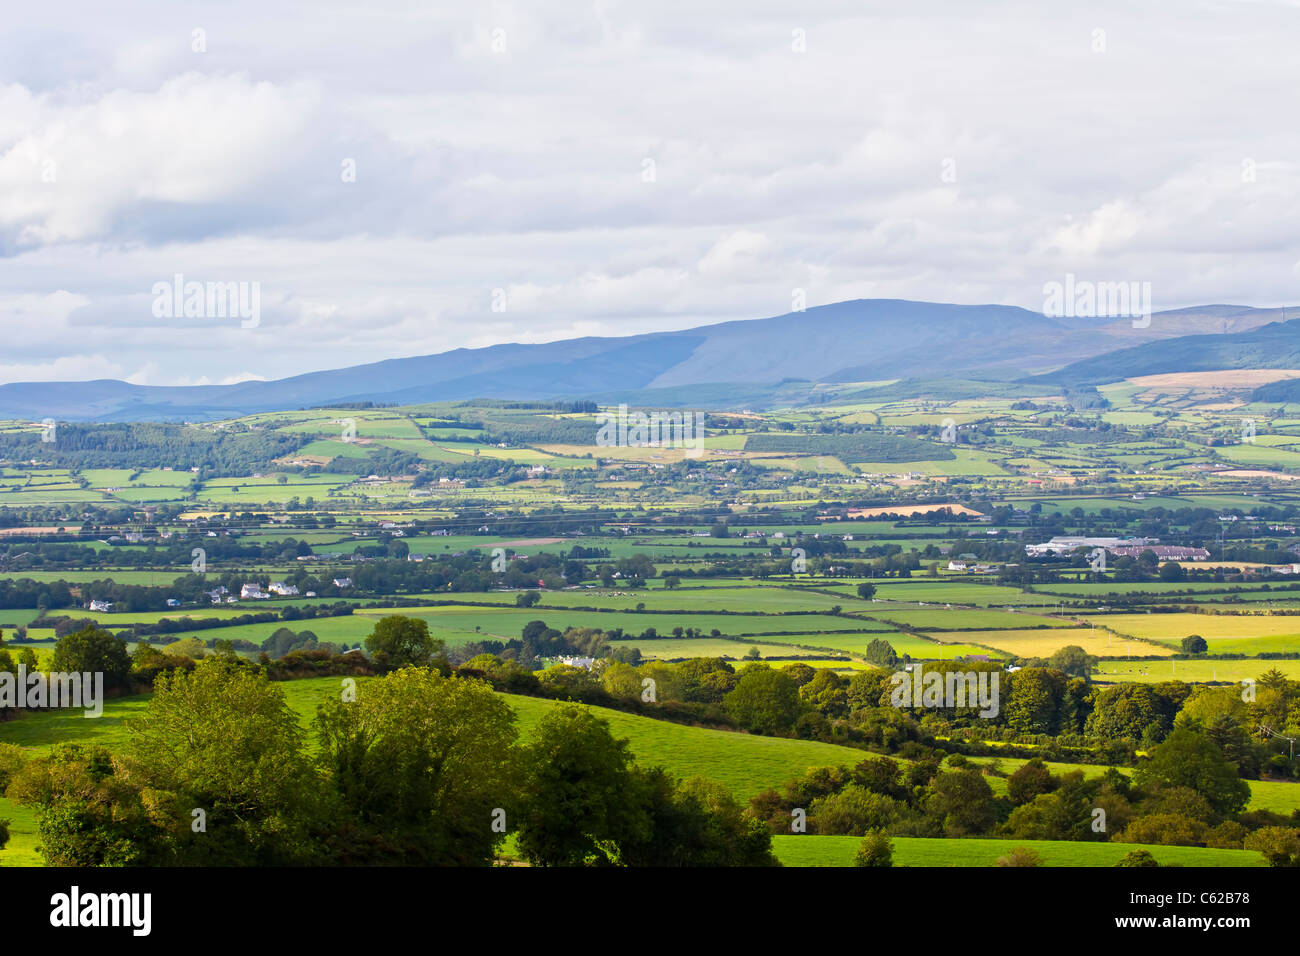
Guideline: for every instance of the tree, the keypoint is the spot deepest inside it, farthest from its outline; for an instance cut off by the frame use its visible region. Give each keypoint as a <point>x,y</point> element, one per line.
<point>876,849</point>
<point>1033,704</point>
<point>1129,711</point>
<point>1172,571</point>
<point>866,591</point>
<point>827,692</point>
<point>1049,816</point>
<point>398,641</point>
<point>419,763</point>
<point>1165,829</point>
<point>86,813</point>
<point>221,739</point>
<point>579,796</point>
<point>881,652</point>
<point>853,810</point>
<point>672,581</point>
<point>1029,781</point>
<point>1279,845</point>
<point>961,801</point>
<point>93,650</point>
<point>527,598</point>
<point>696,822</point>
<point>1074,661</point>
<point>764,700</point>
<point>1195,644</point>
<point>1190,759</point>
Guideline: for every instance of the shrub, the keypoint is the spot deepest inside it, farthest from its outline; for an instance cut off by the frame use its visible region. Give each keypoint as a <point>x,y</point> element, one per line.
<point>1138,858</point>
<point>876,849</point>
<point>1020,856</point>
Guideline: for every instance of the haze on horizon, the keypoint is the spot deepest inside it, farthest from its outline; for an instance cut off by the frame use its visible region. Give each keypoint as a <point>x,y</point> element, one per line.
<point>534,172</point>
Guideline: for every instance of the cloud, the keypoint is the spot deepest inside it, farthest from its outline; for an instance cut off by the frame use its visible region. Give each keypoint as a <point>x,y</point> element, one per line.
<point>64,368</point>
<point>946,153</point>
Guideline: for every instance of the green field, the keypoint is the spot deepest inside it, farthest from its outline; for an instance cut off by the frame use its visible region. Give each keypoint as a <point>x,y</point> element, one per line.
<point>1191,671</point>
<point>811,850</point>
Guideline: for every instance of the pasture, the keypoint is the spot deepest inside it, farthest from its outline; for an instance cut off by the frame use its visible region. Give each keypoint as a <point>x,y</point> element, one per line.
<point>812,850</point>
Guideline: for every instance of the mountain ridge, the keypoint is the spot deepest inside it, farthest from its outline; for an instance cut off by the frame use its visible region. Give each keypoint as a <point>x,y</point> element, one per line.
<point>752,360</point>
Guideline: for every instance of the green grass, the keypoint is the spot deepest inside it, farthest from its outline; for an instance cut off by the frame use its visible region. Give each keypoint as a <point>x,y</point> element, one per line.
<point>1193,672</point>
<point>811,850</point>
<point>744,763</point>
<point>963,619</point>
<point>21,848</point>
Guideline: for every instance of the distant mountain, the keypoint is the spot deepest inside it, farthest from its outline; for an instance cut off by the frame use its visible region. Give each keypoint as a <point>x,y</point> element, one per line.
<point>1276,345</point>
<point>746,363</point>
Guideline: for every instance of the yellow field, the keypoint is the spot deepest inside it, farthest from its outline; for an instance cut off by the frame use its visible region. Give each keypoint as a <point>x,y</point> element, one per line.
<point>909,509</point>
<point>1046,641</point>
<point>1213,627</point>
<point>1229,378</point>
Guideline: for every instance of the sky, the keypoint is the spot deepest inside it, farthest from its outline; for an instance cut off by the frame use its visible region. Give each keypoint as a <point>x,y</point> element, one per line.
<point>395,179</point>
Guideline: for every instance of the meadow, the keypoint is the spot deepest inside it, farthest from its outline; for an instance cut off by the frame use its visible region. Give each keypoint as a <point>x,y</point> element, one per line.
<point>811,850</point>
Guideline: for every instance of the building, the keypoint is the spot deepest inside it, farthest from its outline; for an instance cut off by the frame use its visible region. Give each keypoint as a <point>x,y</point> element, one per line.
<point>101,606</point>
<point>343,582</point>
<point>1165,552</point>
<point>1064,544</point>
<point>252,592</point>
<point>282,589</point>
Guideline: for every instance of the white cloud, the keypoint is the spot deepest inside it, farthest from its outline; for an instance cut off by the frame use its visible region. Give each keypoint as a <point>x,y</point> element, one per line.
<point>521,169</point>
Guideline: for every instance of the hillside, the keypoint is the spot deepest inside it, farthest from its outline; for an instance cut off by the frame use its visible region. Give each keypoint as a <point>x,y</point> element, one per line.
<point>747,363</point>
<point>1276,345</point>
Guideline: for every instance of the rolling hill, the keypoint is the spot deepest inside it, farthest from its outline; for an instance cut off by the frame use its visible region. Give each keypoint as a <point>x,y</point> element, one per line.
<point>758,363</point>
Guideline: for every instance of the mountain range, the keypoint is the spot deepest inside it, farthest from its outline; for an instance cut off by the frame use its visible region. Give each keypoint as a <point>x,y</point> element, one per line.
<point>745,363</point>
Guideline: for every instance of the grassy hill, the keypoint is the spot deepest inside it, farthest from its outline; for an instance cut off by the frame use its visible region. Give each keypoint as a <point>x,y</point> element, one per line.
<point>744,763</point>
